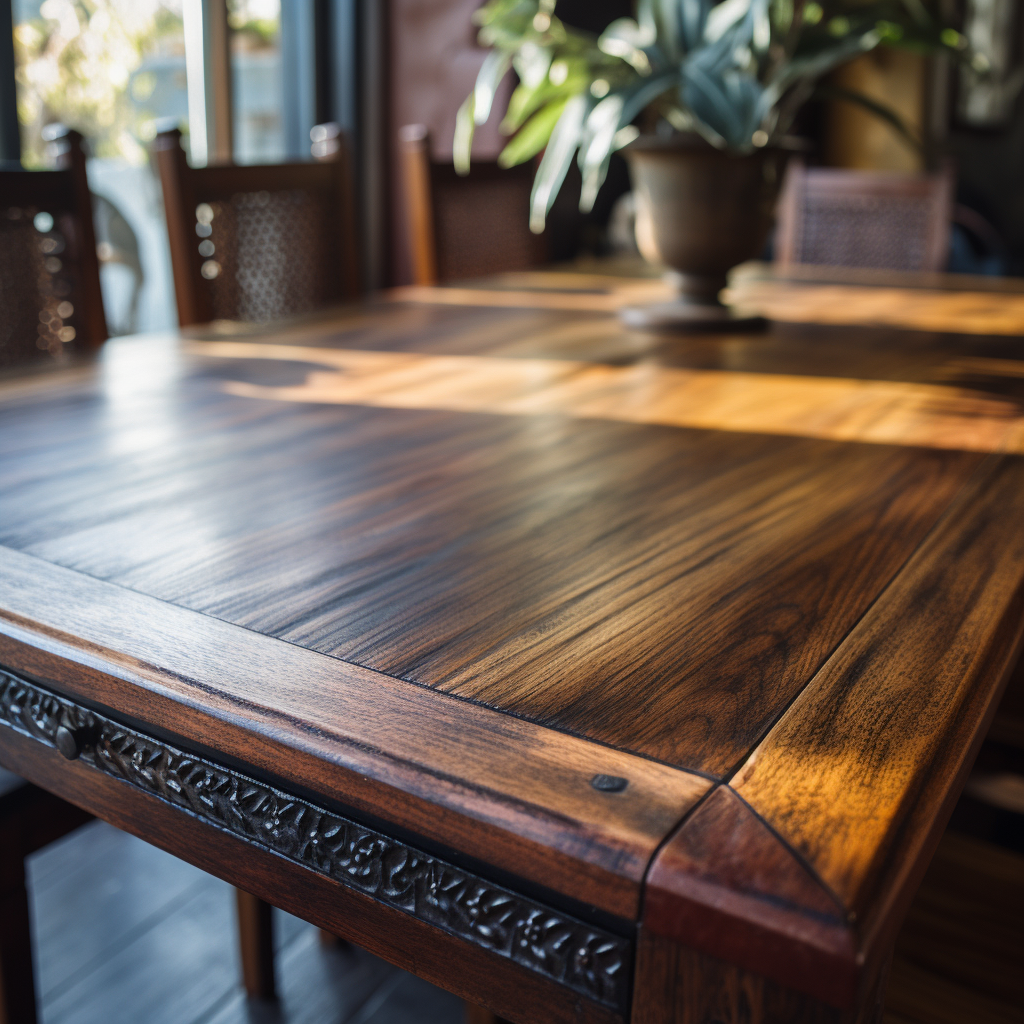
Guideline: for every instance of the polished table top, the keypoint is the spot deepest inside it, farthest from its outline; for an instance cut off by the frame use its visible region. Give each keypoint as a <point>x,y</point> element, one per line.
<point>600,613</point>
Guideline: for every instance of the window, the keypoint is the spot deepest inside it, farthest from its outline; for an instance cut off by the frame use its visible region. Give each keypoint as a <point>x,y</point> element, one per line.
<point>257,86</point>
<point>110,69</point>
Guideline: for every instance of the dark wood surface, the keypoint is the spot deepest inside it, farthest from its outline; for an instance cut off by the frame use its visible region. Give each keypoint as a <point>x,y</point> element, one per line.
<point>441,565</point>
<point>509,560</point>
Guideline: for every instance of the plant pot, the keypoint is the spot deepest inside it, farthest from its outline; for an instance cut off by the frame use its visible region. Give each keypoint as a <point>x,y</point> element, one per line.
<point>700,211</point>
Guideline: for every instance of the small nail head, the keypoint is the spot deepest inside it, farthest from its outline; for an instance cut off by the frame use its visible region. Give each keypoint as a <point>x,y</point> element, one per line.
<point>67,743</point>
<point>609,783</point>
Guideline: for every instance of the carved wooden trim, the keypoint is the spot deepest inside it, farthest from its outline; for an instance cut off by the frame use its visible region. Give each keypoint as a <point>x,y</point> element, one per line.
<point>588,960</point>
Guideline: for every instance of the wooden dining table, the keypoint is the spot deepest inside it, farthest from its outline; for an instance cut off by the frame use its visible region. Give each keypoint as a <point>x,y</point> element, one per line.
<point>593,675</point>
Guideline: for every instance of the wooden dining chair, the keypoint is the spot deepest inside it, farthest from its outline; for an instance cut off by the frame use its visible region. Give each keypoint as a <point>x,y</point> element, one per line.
<point>257,243</point>
<point>463,227</point>
<point>51,305</point>
<point>847,218</point>
<point>50,300</point>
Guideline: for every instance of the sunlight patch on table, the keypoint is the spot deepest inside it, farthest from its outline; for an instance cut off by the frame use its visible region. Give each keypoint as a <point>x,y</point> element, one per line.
<point>833,408</point>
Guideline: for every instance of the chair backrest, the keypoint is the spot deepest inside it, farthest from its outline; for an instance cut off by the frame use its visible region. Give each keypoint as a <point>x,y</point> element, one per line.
<point>257,243</point>
<point>847,218</point>
<point>463,227</point>
<point>50,298</point>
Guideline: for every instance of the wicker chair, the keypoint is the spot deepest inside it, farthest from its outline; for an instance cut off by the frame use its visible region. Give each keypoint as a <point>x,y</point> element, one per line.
<point>50,305</point>
<point>864,219</point>
<point>463,227</point>
<point>258,243</point>
<point>50,299</point>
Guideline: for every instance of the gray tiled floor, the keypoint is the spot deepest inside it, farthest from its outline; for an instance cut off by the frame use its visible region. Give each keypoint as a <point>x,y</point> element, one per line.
<point>127,934</point>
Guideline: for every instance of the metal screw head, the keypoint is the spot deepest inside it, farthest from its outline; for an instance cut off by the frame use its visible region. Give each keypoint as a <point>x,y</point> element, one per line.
<point>609,783</point>
<point>68,742</point>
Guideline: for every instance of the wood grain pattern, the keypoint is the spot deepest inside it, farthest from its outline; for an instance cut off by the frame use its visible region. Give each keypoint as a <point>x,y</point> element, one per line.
<point>726,885</point>
<point>909,302</point>
<point>834,408</point>
<point>393,751</point>
<point>971,312</point>
<point>676,985</point>
<point>861,772</point>
<point>289,584</point>
<point>256,945</point>
<point>520,562</point>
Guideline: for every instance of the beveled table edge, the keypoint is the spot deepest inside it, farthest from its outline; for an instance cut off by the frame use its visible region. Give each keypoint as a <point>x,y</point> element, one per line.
<point>804,913</point>
<point>505,791</point>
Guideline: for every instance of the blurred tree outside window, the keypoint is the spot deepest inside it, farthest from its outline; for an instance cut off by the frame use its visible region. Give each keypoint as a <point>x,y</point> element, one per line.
<point>112,69</point>
<point>257,85</point>
<point>108,68</point>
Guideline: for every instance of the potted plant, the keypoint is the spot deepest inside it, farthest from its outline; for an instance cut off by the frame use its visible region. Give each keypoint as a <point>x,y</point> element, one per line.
<point>700,95</point>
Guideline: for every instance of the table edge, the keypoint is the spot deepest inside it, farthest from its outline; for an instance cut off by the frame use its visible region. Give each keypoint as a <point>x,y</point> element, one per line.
<point>510,793</point>
<point>793,915</point>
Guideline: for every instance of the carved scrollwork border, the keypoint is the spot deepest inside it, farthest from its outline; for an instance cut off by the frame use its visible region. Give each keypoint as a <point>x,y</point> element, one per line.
<point>587,960</point>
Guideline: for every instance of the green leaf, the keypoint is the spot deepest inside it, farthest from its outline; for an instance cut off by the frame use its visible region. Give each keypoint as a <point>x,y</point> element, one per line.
<point>694,19</point>
<point>625,39</point>
<point>723,17</point>
<point>525,101</point>
<point>596,146</point>
<point>533,136</point>
<point>556,160</point>
<point>493,70</point>
<point>465,127</point>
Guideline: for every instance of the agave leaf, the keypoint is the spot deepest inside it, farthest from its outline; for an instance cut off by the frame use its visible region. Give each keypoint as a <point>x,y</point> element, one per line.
<point>761,29</point>
<point>723,17</point>
<point>644,93</point>
<point>533,136</point>
<point>716,57</point>
<point>728,103</point>
<point>556,160</point>
<point>625,39</point>
<point>646,18</point>
<point>666,14</point>
<point>600,128</point>
<point>492,71</point>
<point>812,67</point>
<point>465,127</point>
<point>602,132</point>
<point>693,20</point>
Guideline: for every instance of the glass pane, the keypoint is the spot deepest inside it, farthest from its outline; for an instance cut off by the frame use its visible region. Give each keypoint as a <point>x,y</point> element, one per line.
<point>257,83</point>
<point>110,69</point>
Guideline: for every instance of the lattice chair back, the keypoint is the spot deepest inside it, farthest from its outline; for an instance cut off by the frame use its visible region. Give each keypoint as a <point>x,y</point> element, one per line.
<point>257,243</point>
<point>51,305</point>
<point>464,227</point>
<point>848,218</point>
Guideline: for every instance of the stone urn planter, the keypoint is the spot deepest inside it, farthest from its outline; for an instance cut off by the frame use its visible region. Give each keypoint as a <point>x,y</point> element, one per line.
<point>700,211</point>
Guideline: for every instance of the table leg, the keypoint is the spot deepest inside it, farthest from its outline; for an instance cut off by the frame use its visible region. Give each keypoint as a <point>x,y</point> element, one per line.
<point>677,985</point>
<point>17,992</point>
<point>256,943</point>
